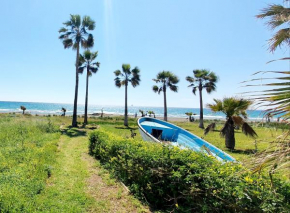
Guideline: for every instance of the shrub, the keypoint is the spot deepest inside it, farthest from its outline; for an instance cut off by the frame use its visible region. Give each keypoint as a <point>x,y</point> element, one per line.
<point>182,180</point>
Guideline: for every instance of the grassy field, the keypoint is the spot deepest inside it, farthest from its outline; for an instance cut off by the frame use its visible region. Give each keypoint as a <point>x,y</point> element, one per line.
<point>245,146</point>
<point>45,166</point>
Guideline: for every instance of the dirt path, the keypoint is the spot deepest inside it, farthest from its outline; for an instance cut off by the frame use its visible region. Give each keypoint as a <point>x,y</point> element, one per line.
<point>78,183</point>
<point>110,195</point>
<point>103,193</point>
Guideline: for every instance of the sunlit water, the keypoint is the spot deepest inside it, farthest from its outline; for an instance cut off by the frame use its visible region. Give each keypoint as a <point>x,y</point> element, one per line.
<point>55,108</point>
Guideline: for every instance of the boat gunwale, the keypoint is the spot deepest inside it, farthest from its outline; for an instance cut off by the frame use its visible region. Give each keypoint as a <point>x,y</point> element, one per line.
<point>161,121</point>
<point>146,133</point>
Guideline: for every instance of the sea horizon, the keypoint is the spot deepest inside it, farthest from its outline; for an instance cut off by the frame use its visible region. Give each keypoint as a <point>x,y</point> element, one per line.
<point>45,108</point>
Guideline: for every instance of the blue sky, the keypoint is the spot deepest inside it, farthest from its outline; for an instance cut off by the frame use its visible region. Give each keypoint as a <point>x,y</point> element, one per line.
<point>155,35</point>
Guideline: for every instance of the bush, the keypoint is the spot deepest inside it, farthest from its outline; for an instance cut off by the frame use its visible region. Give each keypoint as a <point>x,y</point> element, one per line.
<point>185,181</point>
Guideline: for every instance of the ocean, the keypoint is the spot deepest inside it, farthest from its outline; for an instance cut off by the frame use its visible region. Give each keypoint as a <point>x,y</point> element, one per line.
<point>55,108</point>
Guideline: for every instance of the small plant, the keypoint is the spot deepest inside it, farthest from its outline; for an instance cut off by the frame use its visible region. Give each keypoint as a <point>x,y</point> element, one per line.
<point>23,108</point>
<point>48,169</point>
<point>63,111</point>
<point>151,113</point>
<point>142,113</point>
<point>190,114</point>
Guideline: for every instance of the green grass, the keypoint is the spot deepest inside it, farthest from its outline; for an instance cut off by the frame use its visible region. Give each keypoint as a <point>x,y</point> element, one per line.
<point>45,167</point>
<point>245,146</point>
<point>27,154</point>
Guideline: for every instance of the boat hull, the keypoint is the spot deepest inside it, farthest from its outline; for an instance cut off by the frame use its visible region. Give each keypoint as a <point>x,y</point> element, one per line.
<point>156,131</point>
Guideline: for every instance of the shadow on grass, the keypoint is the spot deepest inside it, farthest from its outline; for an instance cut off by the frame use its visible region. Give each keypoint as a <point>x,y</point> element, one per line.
<point>125,127</point>
<point>74,132</point>
<point>246,151</point>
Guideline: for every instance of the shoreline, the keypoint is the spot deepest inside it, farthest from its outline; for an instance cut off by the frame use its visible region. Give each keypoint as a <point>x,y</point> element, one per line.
<point>169,118</point>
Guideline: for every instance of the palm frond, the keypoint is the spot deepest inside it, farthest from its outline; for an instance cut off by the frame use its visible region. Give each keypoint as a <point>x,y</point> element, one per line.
<point>238,120</point>
<point>276,99</point>
<point>194,90</point>
<point>190,79</point>
<point>88,23</point>
<point>217,107</point>
<point>75,20</point>
<point>118,82</point>
<point>135,81</point>
<point>90,41</point>
<point>280,38</point>
<point>277,13</point>
<point>209,86</point>
<point>248,130</point>
<point>118,73</point>
<point>156,80</point>
<point>274,158</point>
<point>87,55</point>
<point>81,69</point>
<point>167,79</point>
<point>173,88</point>
<point>209,128</point>
<point>278,16</point>
<point>126,68</point>
<point>93,69</point>
<point>155,88</point>
<point>286,58</point>
<point>75,46</point>
<point>67,43</point>
<point>203,78</point>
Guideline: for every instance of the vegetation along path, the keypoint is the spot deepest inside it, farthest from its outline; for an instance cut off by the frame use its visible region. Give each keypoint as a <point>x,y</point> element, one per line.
<point>80,184</point>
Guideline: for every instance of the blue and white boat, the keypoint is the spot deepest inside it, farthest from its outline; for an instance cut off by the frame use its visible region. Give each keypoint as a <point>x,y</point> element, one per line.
<point>159,131</point>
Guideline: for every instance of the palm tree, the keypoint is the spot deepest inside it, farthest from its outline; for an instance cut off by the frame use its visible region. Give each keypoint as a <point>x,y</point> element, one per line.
<point>203,79</point>
<point>166,79</point>
<point>74,34</point>
<point>233,107</point>
<point>142,113</point>
<point>23,108</point>
<point>151,113</point>
<point>87,61</point>
<point>190,114</point>
<point>63,110</point>
<point>123,78</point>
<point>279,16</point>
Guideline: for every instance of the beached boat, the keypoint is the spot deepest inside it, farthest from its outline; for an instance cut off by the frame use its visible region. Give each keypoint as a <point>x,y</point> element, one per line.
<point>159,131</point>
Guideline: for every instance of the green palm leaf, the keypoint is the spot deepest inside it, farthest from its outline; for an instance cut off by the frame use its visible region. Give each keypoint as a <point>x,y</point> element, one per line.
<point>278,15</point>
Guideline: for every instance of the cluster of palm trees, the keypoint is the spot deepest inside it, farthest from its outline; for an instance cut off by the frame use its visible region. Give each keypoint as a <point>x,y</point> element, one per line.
<point>75,35</point>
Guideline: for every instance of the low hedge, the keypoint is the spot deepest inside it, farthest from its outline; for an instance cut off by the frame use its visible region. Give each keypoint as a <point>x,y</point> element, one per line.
<point>185,181</point>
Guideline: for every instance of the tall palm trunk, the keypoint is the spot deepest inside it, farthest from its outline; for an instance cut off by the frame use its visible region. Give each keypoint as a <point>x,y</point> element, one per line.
<point>74,121</point>
<point>86,104</point>
<point>200,107</point>
<point>126,107</point>
<point>165,103</point>
<point>230,134</point>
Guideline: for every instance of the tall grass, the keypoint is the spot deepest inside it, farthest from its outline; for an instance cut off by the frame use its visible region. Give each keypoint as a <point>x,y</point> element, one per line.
<point>27,154</point>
